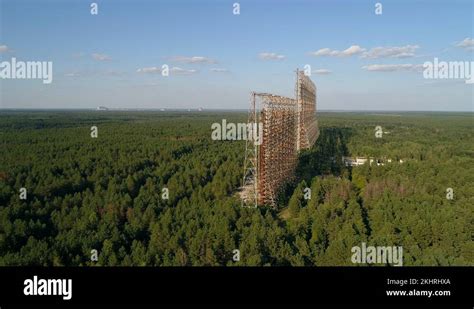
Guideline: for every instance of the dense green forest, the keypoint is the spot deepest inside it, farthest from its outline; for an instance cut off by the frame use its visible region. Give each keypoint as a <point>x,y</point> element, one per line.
<point>106,193</point>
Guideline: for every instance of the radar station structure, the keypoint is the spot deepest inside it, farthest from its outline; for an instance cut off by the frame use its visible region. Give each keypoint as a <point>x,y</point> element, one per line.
<point>288,126</point>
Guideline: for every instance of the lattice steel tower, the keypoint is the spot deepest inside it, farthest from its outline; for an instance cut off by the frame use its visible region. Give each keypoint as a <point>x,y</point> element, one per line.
<point>288,125</point>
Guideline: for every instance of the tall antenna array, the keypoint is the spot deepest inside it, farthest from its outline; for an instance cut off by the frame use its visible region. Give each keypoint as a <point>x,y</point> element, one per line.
<point>287,126</point>
<point>249,194</point>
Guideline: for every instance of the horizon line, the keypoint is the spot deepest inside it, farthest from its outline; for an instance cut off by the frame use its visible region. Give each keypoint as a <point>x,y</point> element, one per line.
<point>164,109</point>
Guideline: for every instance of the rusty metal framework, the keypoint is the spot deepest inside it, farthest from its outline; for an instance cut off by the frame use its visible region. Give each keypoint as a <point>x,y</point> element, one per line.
<point>308,131</point>
<point>277,155</point>
<point>288,125</point>
<point>249,193</point>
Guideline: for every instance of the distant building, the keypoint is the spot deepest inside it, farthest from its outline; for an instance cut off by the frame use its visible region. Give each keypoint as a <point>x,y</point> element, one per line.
<point>102,108</point>
<point>200,109</point>
<point>348,161</point>
<point>358,161</point>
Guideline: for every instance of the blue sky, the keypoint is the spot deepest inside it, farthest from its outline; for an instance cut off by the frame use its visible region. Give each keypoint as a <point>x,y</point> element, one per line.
<point>360,60</point>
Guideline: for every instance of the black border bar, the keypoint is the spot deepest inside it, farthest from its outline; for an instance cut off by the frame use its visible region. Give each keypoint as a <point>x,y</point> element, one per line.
<point>239,285</point>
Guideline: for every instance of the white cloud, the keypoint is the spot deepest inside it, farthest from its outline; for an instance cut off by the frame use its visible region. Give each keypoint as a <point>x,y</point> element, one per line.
<point>218,70</point>
<point>173,70</point>
<point>322,52</point>
<point>271,56</point>
<point>467,43</point>
<point>393,67</point>
<point>391,52</point>
<point>194,59</point>
<point>322,71</point>
<point>149,70</point>
<point>101,57</point>
<point>181,71</point>
<point>4,48</point>
<point>353,50</point>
